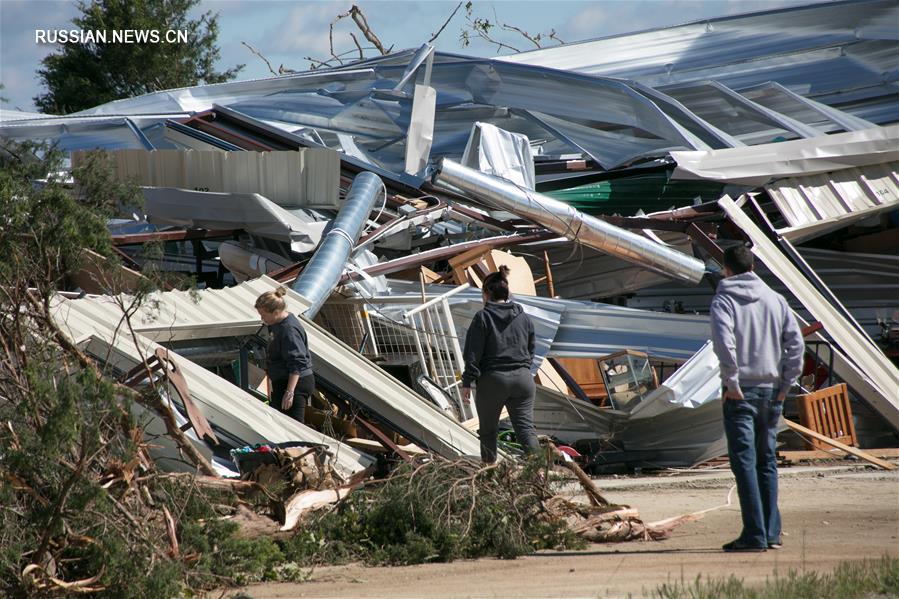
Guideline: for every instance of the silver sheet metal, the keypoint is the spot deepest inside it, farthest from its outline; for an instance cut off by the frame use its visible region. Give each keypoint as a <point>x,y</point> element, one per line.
<point>573,224</point>
<point>500,153</point>
<point>758,165</point>
<point>842,54</point>
<point>677,425</point>
<point>744,119</point>
<point>249,211</point>
<point>94,322</point>
<point>818,204</point>
<point>775,96</point>
<point>576,329</point>
<point>320,275</point>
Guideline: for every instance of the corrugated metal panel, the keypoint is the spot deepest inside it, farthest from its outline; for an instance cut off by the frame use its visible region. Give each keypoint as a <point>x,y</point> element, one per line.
<point>760,165</point>
<point>818,204</point>
<point>222,403</point>
<point>176,315</point>
<point>309,177</point>
<point>820,51</point>
<point>589,329</point>
<point>678,424</point>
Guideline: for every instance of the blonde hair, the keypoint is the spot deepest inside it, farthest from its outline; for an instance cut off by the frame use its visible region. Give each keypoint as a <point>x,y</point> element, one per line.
<point>272,301</point>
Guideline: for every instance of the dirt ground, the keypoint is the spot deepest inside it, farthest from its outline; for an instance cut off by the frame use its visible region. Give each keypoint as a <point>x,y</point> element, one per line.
<point>830,514</point>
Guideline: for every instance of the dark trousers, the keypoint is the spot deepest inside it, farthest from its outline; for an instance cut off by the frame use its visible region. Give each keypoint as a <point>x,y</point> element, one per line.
<point>515,390</point>
<point>301,394</point>
<point>751,429</point>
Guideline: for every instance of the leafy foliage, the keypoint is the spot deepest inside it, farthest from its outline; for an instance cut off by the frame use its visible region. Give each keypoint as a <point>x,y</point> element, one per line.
<point>437,511</point>
<point>82,503</point>
<point>81,76</point>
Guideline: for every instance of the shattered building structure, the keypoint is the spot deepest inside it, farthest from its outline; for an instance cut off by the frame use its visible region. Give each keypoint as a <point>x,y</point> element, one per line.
<point>609,174</point>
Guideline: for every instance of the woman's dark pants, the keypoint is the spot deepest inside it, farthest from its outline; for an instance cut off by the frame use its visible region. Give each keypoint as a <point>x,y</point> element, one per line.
<point>514,389</point>
<point>301,394</point>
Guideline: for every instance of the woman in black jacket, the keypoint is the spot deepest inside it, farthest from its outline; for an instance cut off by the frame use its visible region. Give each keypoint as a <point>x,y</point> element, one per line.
<point>499,351</point>
<point>288,362</point>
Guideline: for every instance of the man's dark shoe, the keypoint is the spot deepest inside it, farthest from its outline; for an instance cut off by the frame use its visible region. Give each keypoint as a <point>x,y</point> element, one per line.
<point>740,546</point>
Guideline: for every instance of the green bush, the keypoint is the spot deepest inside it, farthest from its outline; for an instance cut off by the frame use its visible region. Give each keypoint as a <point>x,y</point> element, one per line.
<point>436,511</point>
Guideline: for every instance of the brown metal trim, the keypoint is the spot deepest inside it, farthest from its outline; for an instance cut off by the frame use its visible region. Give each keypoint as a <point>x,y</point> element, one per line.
<point>383,439</point>
<point>160,362</point>
<point>185,235</point>
<point>442,253</point>
<point>222,133</point>
<point>701,239</point>
<point>289,273</point>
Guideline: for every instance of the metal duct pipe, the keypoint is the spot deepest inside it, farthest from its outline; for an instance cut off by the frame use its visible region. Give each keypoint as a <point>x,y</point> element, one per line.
<point>321,274</point>
<point>561,218</point>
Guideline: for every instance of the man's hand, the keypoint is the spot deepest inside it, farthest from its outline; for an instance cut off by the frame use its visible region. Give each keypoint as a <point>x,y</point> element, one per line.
<point>734,394</point>
<point>781,397</point>
<point>287,400</point>
<point>466,394</point>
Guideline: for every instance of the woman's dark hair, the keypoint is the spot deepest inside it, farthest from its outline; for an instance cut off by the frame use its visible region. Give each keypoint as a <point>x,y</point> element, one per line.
<point>496,285</point>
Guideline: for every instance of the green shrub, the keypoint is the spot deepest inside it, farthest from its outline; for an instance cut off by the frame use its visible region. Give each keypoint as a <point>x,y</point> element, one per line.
<point>436,511</point>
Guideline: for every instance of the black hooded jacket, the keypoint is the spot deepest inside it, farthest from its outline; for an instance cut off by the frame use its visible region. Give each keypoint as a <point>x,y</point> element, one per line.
<point>501,337</point>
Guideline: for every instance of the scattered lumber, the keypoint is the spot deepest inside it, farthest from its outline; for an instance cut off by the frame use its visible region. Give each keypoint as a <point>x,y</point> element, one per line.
<point>848,449</point>
<point>794,456</point>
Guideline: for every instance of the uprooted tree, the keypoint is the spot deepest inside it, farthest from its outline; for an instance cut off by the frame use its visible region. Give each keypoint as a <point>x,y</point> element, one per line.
<point>83,508</point>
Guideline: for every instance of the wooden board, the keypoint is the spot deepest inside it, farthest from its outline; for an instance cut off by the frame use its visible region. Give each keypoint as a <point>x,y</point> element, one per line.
<point>548,377</point>
<point>796,456</point>
<point>585,372</point>
<point>848,449</point>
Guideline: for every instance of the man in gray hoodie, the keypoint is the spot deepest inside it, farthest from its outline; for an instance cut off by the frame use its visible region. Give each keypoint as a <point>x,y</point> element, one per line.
<point>759,346</point>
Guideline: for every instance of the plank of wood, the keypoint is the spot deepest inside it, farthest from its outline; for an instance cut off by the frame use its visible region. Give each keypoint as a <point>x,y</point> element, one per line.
<point>797,455</point>
<point>847,448</point>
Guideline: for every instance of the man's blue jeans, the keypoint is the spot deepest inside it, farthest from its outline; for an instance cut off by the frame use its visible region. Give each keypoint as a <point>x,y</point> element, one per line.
<point>751,429</point>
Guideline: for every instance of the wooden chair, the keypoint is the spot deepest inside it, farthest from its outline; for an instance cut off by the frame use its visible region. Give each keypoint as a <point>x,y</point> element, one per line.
<point>827,411</point>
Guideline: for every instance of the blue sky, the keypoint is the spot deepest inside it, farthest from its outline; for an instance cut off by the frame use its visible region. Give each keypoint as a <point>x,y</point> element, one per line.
<point>287,31</point>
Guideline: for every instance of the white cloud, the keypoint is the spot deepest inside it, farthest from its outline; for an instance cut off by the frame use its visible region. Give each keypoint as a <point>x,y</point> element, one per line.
<point>304,29</point>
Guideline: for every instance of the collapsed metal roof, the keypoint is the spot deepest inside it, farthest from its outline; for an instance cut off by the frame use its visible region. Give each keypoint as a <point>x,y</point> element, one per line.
<point>787,74</point>
<point>840,54</point>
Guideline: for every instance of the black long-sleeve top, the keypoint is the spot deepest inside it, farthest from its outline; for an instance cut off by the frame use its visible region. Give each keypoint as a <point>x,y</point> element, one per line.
<point>501,337</point>
<point>288,350</point>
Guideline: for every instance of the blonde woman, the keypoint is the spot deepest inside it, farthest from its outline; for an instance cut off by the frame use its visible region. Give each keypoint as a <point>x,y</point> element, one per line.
<point>288,361</point>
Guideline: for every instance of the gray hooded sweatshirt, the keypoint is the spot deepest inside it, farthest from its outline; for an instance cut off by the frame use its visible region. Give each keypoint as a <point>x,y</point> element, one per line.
<point>755,335</point>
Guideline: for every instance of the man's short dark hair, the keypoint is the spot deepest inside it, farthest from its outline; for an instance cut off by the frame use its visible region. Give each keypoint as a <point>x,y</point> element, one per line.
<point>738,259</point>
